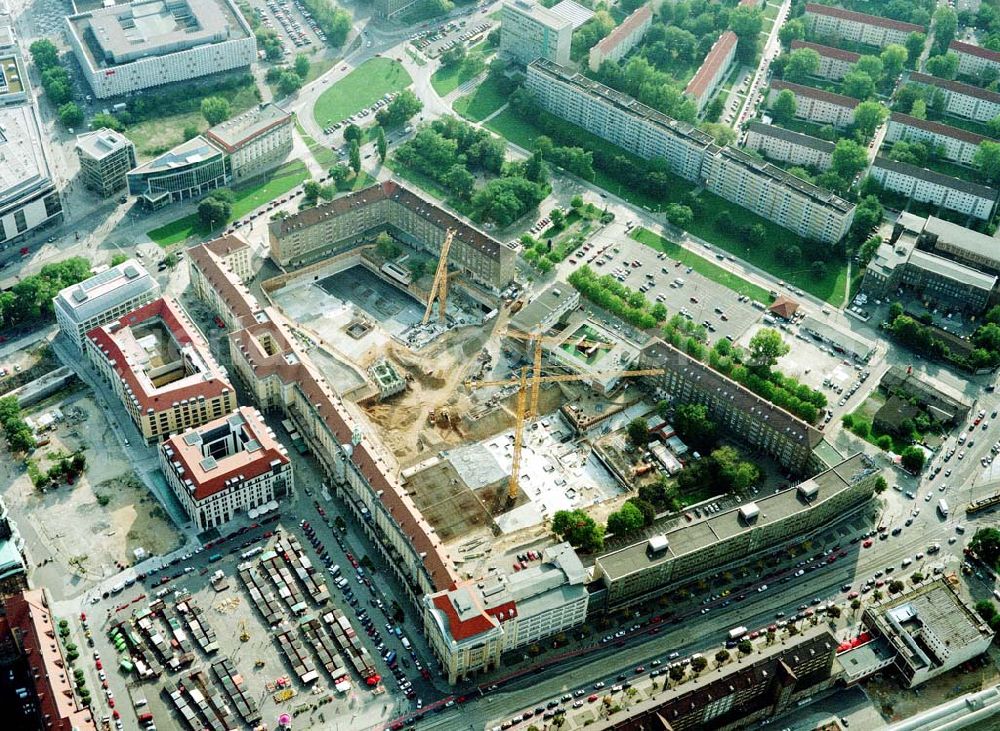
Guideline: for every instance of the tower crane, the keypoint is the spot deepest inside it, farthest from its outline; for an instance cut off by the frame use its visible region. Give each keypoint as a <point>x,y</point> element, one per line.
<point>439,287</point>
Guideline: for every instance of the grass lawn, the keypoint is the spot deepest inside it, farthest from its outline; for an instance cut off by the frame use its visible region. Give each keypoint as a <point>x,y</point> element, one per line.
<point>488,97</point>
<point>415,57</point>
<point>365,85</point>
<point>701,265</point>
<point>448,78</point>
<point>323,155</point>
<point>425,183</point>
<point>245,200</point>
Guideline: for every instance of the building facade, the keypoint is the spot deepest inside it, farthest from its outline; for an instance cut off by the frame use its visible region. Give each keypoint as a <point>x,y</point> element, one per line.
<point>226,468</point>
<point>218,270</point>
<point>974,60</point>
<point>827,21</point>
<point>127,48</point>
<point>391,8</point>
<point>951,143</point>
<point>188,171</point>
<point>645,570</point>
<point>816,105</point>
<point>529,31</point>
<point>256,141</point>
<point>13,571</point>
<point>927,186</point>
<point>103,298</point>
<point>161,369</point>
<point>959,243</point>
<point>713,70</point>
<point>106,157</point>
<point>962,100</point>
<point>357,218</point>
<point>794,148</point>
<point>834,63</point>
<point>622,39</point>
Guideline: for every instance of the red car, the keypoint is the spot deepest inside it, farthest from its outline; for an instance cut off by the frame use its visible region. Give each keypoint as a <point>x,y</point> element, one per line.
<point>868,543</point>
<point>853,595</point>
<point>98,665</point>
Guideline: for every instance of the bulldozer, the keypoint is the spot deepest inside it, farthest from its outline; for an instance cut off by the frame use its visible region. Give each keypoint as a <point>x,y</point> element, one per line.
<point>244,635</point>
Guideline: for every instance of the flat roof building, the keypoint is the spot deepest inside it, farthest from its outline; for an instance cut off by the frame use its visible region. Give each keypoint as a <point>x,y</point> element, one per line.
<point>14,86</point>
<point>545,310</point>
<point>928,186</point>
<point>256,141</point>
<point>843,340</point>
<point>975,249</point>
<point>146,43</point>
<point>106,157</point>
<point>103,298</point>
<point>622,39</point>
<point>161,369</point>
<point>226,468</point>
<point>529,31</point>
<point>190,170</point>
<point>816,105</point>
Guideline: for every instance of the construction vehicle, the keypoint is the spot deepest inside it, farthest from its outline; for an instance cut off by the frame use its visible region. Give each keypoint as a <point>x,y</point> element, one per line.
<point>523,382</point>
<point>258,663</point>
<point>244,635</point>
<point>439,287</point>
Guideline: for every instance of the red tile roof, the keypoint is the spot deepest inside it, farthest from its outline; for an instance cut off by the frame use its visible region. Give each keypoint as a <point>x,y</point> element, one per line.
<point>960,47</point>
<point>459,629</point>
<point>226,245</point>
<point>207,258</point>
<point>863,18</point>
<point>938,128</point>
<point>812,92</point>
<point>955,86</point>
<point>717,57</point>
<point>828,51</point>
<point>637,18</point>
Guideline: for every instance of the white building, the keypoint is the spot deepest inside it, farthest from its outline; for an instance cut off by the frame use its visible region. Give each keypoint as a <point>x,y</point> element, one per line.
<point>713,69</point>
<point>974,60</point>
<point>952,143</point>
<point>225,468</point>
<point>103,298</point>
<point>470,626</point>
<point>134,46</point>
<point>529,31</point>
<point>962,100</point>
<point>622,39</point>
<point>783,145</point>
<point>256,141</point>
<point>871,30</point>
<point>927,186</point>
<point>834,63</point>
<point>816,105</point>
<point>106,157</point>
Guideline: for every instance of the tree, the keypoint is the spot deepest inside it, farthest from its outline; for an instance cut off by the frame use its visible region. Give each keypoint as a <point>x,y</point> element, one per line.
<point>919,109</point>
<point>190,132</point>
<point>747,23</point>
<point>676,673</point>
<point>912,459</point>
<point>213,211</point>
<point>679,215</point>
<point>353,133</point>
<point>944,66</point>
<point>722,656</point>
<point>461,181</point>
<point>289,82</point>
<point>118,259</point>
<point>694,427</point>
<point>70,114</point>
<point>301,65</point>
<point>893,59</point>
<point>645,507</point>
<point>638,432</point>
<point>915,46</point>
<point>784,106</point>
<point>872,66</point>
<point>945,25</point>
<point>848,159</point>
<point>626,520</point>
<point>987,159</point>
<point>723,134</point>
<point>868,117</point>
<point>44,53</point>
<point>310,191</point>
<point>745,647</point>
<point>404,106</point>
<point>698,663</point>
<point>986,544</point>
<point>454,55</point>
<point>355,157</point>
<point>215,109</point>
<point>801,63</point>
<point>576,203</point>
<point>766,346</point>
<point>579,529</point>
<point>793,30</point>
<point>558,218</point>
<point>833,611</point>
<point>101,120</point>
<point>858,84</point>
<point>896,586</point>
<point>381,145</point>
<point>715,108</point>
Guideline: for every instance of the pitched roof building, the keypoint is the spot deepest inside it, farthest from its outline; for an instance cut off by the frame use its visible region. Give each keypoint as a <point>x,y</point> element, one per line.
<point>712,70</point>
<point>623,38</point>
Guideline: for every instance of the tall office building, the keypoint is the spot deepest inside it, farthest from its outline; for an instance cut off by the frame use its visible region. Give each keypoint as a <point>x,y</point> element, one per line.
<point>106,157</point>
<point>529,31</point>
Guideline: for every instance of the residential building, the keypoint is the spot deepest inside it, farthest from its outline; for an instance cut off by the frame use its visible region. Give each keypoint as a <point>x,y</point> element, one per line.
<point>546,309</point>
<point>950,240</point>
<point>834,63</point>
<point>951,143</point>
<point>529,31</point>
<point>690,153</point>
<point>735,409</point>
<point>256,141</point>
<point>103,298</point>
<point>623,38</point>
<point>706,546</point>
<point>357,218</point>
<point>106,157</point>
<point>189,170</point>
<point>774,680</point>
<point>218,270</point>
<point>962,100</point>
<point>974,60</point>
<point>828,21</point>
<point>713,70</point>
<point>391,8</point>
<point>39,690</point>
<point>225,468</point>
<point>927,186</point>
<point>772,193</point>
<point>127,48</point>
<point>816,105</point>
<point>968,6</point>
<point>160,367</point>
<point>783,145</point>
<point>930,628</point>
<point>470,626</point>
<point>13,571</point>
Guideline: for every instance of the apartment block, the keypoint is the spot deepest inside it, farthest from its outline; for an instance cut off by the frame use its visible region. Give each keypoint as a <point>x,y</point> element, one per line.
<point>962,100</point>
<point>783,145</point>
<point>827,21</point>
<point>713,70</point>
<point>622,39</point>
<point>834,63</point>
<point>103,298</point>
<point>529,31</point>
<point>256,141</point>
<point>106,157</point>
<point>218,271</point>
<point>355,219</point>
<point>391,8</point>
<point>160,367</point>
<point>816,105</point>
<point>127,48</point>
<point>974,60</point>
<point>952,143</point>
<point>649,568</point>
<point>226,468</point>
<point>470,626</point>
<point>927,186</point>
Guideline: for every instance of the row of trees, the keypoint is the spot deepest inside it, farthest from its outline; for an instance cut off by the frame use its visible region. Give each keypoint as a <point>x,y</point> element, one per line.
<point>611,295</point>
<point>332,19</point>
<point>30,300</point>
<point>400,110</point>
<point>924,338</point>
<point>289,79</point>
<point>56,82</point>
<point>20,437</point>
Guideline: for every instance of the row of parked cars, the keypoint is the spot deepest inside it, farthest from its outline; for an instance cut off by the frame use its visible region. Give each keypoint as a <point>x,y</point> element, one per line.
<point>358,116</point>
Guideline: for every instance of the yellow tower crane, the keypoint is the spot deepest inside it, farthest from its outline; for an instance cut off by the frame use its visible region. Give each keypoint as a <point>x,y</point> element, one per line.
<point>439,287</point>
<point>523,381</point>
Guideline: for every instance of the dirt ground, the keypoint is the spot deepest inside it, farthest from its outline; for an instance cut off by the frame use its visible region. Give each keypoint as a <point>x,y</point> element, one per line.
<point>66,527</point>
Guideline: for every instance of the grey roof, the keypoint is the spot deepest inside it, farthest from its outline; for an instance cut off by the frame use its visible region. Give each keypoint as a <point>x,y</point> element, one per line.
<point>573,12</point>
<point>554,296</point>
<point>193,151</point>
<point>23,167</point>
<point>796,138</point>
<point>959,237</point>
<point>947,181</point>
<point>236,131</point>
<point>104,291</point>
<point>952,270</point>
<point>558,579</point>
<point>848,340</point>
<point>101,142</point>
<point>540,13</point>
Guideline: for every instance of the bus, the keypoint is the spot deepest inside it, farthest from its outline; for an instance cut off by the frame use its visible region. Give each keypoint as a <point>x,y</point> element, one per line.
<point>943,508</point>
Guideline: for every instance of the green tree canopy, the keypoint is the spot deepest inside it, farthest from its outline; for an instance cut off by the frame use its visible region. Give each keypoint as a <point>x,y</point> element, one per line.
<point>801,64</point>
<point>215,109</point>
<point>912,459</point>
<point>784,105</point>
<point>766,346</point>
<point>579,529</point>
<point>986,544</point>
<point>628,519</point>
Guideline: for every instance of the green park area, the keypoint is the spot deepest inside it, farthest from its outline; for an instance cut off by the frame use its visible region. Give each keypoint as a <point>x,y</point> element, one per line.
<point>324,156</point>
<point>448,78</point>
<point>487,98</point>
<point>361,88</point>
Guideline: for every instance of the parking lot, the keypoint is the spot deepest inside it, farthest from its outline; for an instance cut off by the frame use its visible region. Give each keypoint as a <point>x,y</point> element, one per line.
<point>292,22</point>
<point>432,43</point>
